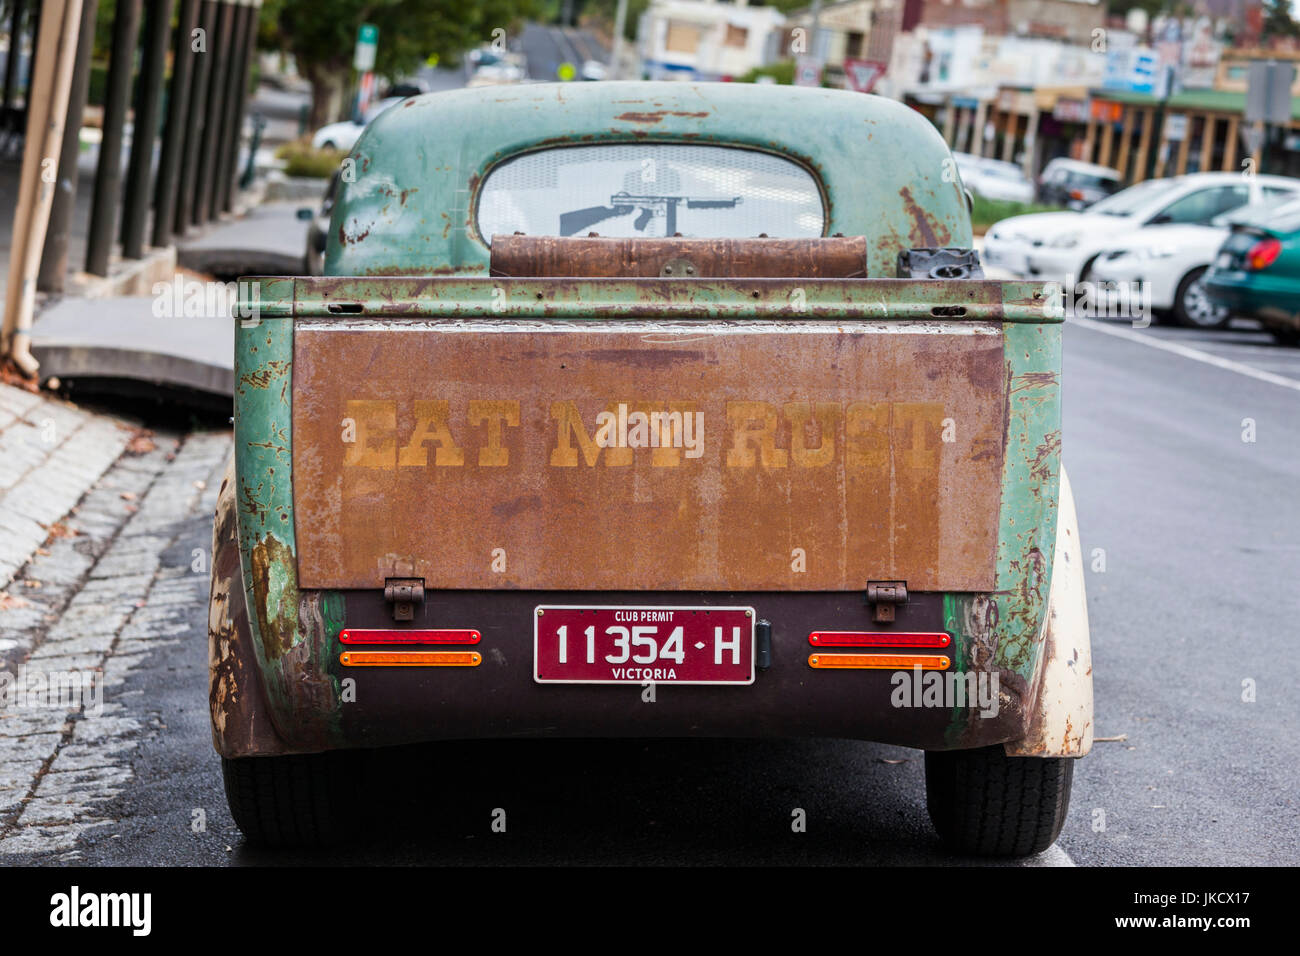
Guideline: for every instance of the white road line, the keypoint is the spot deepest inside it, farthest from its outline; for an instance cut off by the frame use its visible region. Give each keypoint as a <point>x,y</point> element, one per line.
<point>1055,855</point>
<point>1195,355</point>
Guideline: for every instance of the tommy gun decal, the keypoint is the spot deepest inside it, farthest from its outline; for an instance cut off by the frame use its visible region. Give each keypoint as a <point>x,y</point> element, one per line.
<point>652,207</point>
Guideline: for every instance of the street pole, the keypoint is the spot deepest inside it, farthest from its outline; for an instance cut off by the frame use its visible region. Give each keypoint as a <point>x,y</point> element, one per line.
<point>229,108</point>
<point>135,202</point>
<point>815,48</point>
<point>185,199</point>
<point>220,53</point>
<point>54,257</point>
<point>108,173</point>
<point>616,50</point>
<point>173,146</point>
<point>47,103</point>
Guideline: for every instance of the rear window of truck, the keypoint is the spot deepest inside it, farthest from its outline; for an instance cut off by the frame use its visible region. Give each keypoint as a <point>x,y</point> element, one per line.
<point>651,190</point>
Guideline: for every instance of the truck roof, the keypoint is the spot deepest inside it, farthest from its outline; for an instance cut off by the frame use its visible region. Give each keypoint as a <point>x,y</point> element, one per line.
<point>417,172</point>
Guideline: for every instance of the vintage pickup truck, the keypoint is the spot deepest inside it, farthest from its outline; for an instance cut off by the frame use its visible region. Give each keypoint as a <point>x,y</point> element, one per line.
<point>630,409</point>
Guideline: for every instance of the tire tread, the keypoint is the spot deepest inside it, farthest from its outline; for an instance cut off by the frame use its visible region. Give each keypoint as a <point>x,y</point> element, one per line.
<point>984,803</point>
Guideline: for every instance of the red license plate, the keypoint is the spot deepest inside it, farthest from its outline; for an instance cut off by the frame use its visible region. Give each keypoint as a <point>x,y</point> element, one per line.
<point>639,645</point>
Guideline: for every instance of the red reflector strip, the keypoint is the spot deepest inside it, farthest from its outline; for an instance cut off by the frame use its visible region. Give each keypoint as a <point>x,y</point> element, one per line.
<point>353,635</point>
<point>877,639</point>
<point>879,662</point>
<point>410,658</point>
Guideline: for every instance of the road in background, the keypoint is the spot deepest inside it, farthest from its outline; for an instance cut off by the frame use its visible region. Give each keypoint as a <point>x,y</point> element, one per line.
<point>547,47</point>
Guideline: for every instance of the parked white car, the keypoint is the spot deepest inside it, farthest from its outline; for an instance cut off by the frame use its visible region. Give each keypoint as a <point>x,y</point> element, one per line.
<point>994,178</point>
<point>1171,261</point>
<point>344,135</point>
<point>1065,246</point>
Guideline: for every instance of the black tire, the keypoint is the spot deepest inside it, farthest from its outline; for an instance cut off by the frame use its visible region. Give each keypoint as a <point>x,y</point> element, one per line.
<point>290,801</point>
<point>984,803</point>
<point>1190,304</point>
<point>1287,337</point>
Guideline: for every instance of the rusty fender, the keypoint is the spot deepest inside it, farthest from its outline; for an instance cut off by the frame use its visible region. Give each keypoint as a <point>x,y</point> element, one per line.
<point>241,726</point>
<point>1060,720</point>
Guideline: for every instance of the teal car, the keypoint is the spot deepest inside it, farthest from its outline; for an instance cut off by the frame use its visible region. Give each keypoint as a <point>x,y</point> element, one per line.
<point>1257,271</point>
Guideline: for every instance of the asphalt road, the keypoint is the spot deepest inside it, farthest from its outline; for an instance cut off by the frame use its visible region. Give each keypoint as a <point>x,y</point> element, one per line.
<point>546,47</point>
<point>1197,595</point>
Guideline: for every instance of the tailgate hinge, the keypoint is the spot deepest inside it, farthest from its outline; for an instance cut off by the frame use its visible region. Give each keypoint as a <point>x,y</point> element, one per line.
<point>404,594</point>
<point>886,595</point>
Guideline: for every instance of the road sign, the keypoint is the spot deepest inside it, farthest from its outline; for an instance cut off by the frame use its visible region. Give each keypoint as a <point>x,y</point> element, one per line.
<point>1268,92</point>
<point>863,74</point>
<point>807,72</point>
<point>363,56</point>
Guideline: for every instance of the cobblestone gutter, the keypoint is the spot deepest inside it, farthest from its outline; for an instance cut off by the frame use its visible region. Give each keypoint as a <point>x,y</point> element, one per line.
<point>95,577</point>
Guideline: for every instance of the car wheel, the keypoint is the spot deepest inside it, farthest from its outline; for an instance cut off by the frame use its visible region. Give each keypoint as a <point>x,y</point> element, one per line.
<point>1287,337</point>
<point>984,803</point>
<point>296,800</point>
<point>1193,306</point>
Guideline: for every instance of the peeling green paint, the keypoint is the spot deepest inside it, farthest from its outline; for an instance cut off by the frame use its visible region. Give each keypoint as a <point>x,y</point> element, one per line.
<point>1030,480</point>
<point>264,515</point>
<point>380,297</point>
<point>881,165</point>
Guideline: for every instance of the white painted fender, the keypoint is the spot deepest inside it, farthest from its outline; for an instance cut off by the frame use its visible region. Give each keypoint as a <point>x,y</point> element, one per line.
<point>1061,722</point>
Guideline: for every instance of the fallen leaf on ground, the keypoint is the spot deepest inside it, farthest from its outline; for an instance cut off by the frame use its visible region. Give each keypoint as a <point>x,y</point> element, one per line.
<point>140,444</point>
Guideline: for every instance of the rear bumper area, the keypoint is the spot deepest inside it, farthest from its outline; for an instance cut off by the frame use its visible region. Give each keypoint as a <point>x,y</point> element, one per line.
<point>383,706</point>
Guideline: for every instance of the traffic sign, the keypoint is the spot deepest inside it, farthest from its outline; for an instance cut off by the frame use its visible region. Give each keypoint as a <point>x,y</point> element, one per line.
<point>363,56</point>
<point>863,74</point>
<point>1268,92</point>
<point>808,72</point>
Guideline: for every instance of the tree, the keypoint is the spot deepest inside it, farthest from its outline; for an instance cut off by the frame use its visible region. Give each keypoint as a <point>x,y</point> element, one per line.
<point>321,35</point>
<point>1278,21</point>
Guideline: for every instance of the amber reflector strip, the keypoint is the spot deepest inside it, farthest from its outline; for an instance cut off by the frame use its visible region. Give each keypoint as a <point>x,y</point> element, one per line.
<point>877,639</point>
<point>410,658</point>
<point>354,635</point>
<point>879,662</point>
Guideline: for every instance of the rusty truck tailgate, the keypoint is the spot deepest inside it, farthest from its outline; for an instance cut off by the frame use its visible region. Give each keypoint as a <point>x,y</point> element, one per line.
<point>649,452</point>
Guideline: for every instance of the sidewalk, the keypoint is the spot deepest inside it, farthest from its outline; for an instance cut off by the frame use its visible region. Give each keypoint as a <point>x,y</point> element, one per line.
<point>51,452</point>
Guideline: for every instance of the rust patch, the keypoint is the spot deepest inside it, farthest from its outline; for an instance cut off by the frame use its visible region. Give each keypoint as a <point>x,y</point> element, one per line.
<point>263,376</point>
<point>929,239</point>
<point>272,566</point>
<point>657,116</point>
<point>644,357</point>
<point>1035,380</point>
<point>1045,456</point>
<point>854,458</point>
<point>344,238</point>
<point>843,257</point>
<point>508,509</point>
